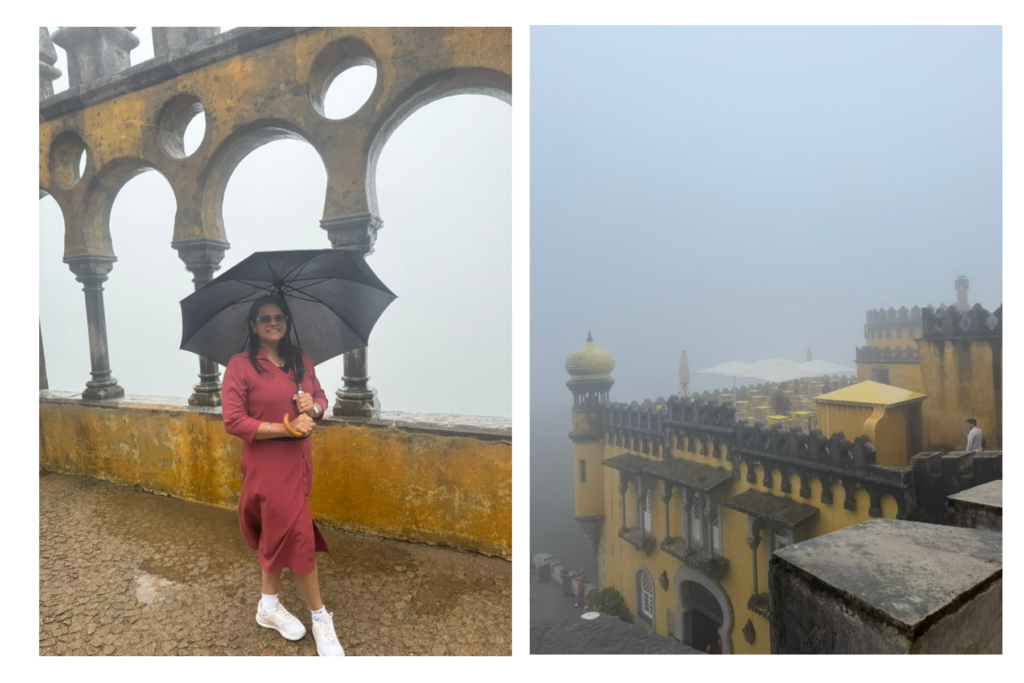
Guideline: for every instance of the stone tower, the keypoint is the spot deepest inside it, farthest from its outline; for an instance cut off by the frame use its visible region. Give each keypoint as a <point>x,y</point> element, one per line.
<point>962,285</point>
<point>590,382</point>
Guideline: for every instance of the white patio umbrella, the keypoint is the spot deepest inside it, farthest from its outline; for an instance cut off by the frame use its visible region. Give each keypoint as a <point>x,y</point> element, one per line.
<point>777,370</point>
<point>824,367</point>
<point>730,368</point>
<point>684,377</point>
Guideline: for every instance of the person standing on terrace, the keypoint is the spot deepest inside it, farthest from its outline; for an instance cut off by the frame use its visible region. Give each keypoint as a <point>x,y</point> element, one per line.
<point>973,436</point>
<point>271,400</point>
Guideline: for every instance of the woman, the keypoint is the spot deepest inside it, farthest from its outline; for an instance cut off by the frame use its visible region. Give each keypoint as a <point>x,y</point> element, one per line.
<point>277,468</point>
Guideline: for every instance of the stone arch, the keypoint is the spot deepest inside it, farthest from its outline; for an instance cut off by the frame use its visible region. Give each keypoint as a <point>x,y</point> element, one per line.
<point>102,191</point>
<point>685,574</point>
<point>430,88</point>
<point>214,178</point>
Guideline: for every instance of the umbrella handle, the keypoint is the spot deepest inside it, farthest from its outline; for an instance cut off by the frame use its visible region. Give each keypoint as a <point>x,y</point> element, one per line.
<point>288,427</point>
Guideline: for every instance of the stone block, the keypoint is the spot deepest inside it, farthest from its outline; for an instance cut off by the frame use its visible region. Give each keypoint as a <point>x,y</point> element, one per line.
<point>980,507</point>
<point>889,587</point>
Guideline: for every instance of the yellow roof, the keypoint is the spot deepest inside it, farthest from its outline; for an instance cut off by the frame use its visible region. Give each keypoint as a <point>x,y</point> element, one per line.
<point>872,394</point>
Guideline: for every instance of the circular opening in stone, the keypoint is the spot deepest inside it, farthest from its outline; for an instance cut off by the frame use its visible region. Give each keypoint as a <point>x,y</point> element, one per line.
<point>343,78</point>
<point>181,126</point>
<point>349,91</point>
<point>68,159</point>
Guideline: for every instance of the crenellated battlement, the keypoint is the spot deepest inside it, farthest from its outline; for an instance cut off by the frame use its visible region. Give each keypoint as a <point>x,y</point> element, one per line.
<point>948,322</point>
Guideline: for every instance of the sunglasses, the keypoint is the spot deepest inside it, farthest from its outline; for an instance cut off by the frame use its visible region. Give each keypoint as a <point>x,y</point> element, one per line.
<point>267,319</point>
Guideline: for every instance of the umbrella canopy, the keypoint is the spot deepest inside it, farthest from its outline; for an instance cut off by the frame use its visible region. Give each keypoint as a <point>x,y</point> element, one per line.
<point>731,368</point>
<point>777,370</point>
<point>333,297</point>
<point>824,367</point>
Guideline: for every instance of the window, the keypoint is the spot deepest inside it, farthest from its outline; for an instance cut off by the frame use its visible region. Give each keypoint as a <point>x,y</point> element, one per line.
<point>695,517</point>
<point>646,595</point>
<point>880,375</point>
<point>647,513</point>
<point>583,471</point>
<point>716,530</point>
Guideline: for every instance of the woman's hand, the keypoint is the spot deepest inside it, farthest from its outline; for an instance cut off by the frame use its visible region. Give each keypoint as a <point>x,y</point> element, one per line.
<point>304,403</point>
<point>303,424</point>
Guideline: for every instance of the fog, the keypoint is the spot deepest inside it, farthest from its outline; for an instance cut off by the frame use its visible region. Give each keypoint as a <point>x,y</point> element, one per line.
<point>743,193</point>
<point>444,191</point>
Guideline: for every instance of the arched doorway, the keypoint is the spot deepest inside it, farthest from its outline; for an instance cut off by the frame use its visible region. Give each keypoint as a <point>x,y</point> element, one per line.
<point>703,611</point>
<point>703,618</point>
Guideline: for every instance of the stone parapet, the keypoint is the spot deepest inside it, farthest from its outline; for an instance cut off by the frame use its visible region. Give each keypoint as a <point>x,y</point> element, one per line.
<point>939,475</point>
<point>888,587</point>
<point>980,507</point>
<point>442,482</point>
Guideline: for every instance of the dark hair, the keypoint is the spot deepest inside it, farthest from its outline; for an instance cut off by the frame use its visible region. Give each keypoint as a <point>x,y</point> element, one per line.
<point>291,353</point>
<point>972,421</point>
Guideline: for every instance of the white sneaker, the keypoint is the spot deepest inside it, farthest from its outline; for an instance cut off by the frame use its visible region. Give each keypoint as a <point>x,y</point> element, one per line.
<point>281,620</point>
<point>327,644</point>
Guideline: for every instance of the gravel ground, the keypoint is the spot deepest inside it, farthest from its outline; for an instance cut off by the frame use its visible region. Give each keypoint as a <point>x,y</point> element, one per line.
<point>124,572</point>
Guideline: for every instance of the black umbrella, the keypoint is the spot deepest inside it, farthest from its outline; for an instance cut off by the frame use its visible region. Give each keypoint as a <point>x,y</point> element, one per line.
<point>333,297</point>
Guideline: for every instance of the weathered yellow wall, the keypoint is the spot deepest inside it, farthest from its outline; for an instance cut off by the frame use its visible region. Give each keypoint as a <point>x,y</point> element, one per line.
<point>621,560</point>
<point>902,375</point>
<point>847,419</point>
<point>588,496</point>
<point>962,379</point>
<point>447,490</point>
<point>901,336</point>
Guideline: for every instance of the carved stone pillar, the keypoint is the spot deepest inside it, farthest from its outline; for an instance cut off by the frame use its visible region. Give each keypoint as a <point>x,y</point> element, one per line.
<point>356,398</point>
<point>684,495</point>
<point>44,384</point>
<point>92,272</point>
<point>666,498</point>
<point>754,540</point>
<point>95,52</point>
<point>623,487</point>
<point>167,40</point>
<point>48,73</point>
<point>202,258</point>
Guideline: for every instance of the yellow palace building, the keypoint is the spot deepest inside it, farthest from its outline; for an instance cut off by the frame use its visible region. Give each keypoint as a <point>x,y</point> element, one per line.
<point>684,504</point>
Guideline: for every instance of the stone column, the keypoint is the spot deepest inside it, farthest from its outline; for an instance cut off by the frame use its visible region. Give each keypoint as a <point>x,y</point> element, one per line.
<point>95,52</point>
<point>167,40</point>
<point>356,398</point>
<point>48,73</point>
<point>684,494</point>
<point>623,487</point>
<point>666,498</point>
<point>202,258</point>
<point>92,272</point>
<point>43,383</point>
<point>754,540</point>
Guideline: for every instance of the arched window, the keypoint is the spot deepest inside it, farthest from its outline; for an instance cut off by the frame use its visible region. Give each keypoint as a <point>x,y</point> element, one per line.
<point>645,597</point>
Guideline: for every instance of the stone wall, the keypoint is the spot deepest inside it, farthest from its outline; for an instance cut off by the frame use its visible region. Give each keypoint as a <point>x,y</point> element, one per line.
<point>434,479</point>
<point>940,475</point>
<point>889,587</point>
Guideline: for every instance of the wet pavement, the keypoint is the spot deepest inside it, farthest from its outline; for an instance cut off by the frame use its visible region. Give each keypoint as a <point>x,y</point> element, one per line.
<point>124,572</point>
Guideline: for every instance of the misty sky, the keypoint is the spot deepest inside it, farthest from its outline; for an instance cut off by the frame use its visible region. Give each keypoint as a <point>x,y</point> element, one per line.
<point>444,191</point>
<point>742,193</point>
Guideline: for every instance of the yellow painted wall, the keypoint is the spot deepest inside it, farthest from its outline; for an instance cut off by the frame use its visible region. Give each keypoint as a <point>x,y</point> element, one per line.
<point>961,378</point>
<point>446,490</point>
<point>902,336</point>
<point>620,560</point>
<point>886,427</point>
<point>902,375</point>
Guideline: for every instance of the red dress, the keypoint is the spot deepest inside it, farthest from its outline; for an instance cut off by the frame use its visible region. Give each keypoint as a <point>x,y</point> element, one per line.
<point>273,507</point>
